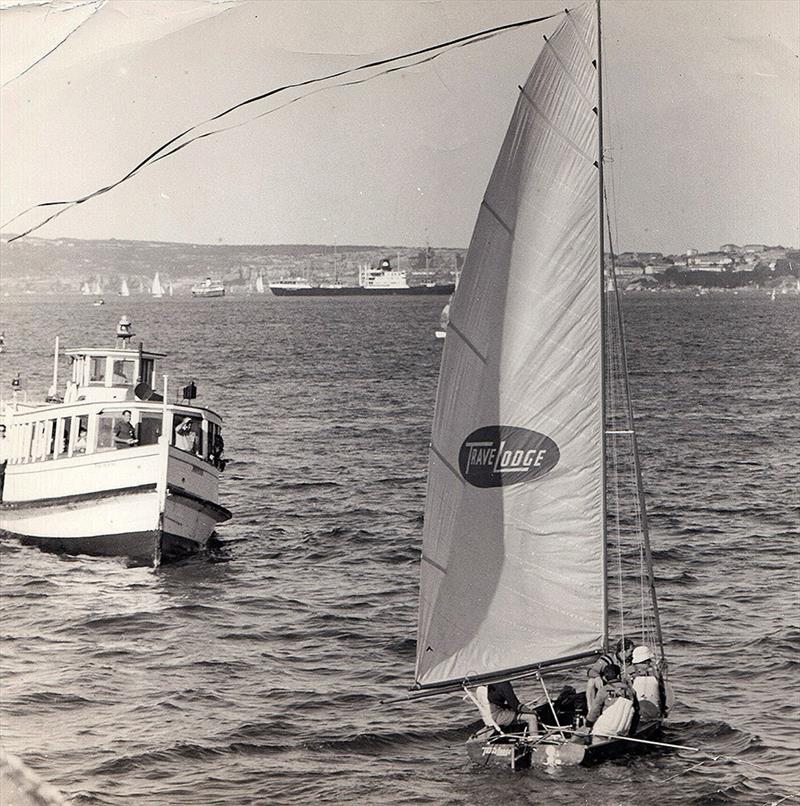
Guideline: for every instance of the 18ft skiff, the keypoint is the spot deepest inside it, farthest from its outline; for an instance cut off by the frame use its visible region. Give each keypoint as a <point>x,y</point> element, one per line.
<point>534,520</point>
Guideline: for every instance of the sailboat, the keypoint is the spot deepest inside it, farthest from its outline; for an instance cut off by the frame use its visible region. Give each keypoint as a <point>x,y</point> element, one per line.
<point>157,290</point>
<point>534,518</point>
<point>97,292</point>
<point>86,289</point>
<point>259,284</point>
<point>444,319</point>
<point>124,291</point>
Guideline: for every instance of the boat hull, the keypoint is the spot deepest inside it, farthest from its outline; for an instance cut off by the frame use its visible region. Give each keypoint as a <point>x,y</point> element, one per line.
<point>136,522</point>
<point>360,291</point>
<point>555,752</point>
<point>215,293</point>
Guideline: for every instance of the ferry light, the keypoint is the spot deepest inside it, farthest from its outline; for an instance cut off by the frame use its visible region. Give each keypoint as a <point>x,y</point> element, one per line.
<point>189,392</point>
<point>124,331</point>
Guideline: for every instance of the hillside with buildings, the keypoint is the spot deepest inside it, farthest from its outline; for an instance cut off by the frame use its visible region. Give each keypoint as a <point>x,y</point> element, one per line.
<point>730,266</point>
<point>64,266</point>
<point>39,265</point>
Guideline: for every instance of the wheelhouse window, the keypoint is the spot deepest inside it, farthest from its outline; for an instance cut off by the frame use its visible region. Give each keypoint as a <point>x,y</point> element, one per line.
<point>147,371</point>
<point>122,372</point>
<point>97,369</point>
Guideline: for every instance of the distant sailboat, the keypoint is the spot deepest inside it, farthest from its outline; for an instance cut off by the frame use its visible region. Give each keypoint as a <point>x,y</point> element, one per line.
<point>170,290</point>
<point>124,291</point>
<point>156,289</point>
<point>534,491</point>
<point>86,290</point>
<point>259,284</point>
<point>97,289</point>
<point>444,320</point>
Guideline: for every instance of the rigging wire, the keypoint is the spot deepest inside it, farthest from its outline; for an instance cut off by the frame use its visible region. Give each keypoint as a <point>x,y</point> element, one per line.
<point>166,149</point>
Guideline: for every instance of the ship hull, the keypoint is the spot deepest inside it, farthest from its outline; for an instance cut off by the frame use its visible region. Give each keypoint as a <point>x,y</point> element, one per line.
<point>360,291</point>
<point>208,293</point>
<point>139,523</point>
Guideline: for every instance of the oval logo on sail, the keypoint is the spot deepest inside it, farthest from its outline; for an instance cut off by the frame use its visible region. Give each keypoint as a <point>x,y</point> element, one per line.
<point>500,455</point>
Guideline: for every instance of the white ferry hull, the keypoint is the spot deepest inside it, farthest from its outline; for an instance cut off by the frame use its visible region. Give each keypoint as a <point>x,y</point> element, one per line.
<point>118,521</point>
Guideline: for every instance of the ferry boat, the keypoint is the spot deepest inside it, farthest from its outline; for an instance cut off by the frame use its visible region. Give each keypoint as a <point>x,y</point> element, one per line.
<point>112,468</point>
<point>284,287</point>
<point>372,281</point>
<point>208,288</point>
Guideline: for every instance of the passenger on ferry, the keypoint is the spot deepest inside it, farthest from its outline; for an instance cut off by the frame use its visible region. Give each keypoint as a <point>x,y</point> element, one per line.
<point>124,433</point>
<point>504,707</point>
<point>647,683</point>
<point>217,450</point>
<point>3,458</point>
<point>80,442</point>
<point>621,657</point>
<point>615,711</point>
<point>185,438</point>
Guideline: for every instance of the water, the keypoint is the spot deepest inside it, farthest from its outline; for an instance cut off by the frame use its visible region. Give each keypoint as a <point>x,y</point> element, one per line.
<point>255,677</point>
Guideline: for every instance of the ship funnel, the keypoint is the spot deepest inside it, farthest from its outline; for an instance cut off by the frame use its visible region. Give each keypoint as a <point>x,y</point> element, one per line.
<point>124,332</point>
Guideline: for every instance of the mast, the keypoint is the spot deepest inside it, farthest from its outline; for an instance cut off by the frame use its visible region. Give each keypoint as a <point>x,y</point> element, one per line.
<point>604,506</point>
<point>626,385</point>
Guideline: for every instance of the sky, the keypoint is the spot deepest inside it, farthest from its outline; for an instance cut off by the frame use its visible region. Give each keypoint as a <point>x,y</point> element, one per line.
<point>702,110</point>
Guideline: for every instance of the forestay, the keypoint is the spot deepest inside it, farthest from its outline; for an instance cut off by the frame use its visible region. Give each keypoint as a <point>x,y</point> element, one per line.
<point>513,564</point>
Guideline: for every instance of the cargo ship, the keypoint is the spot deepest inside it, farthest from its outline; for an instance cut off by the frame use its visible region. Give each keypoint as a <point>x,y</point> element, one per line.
<point>380,280</point>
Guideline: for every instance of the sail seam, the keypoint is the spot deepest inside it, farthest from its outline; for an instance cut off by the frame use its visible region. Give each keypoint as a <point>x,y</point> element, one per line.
<point>496,216</point>
<point>580,36</point>
<point>444,461</point>
<point>567,72</point>
<point>436,565</point>
<point>454,328</point>
<point>575,147</point>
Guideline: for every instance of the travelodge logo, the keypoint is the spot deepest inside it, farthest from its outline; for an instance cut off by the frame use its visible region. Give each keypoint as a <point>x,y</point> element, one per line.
<point>500,455</point>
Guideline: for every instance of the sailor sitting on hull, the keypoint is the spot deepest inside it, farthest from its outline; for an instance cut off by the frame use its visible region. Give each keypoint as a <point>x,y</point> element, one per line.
<point>500,708</point>
<point>647,683</point>
<point>621,657</point>
<point>615,711</point>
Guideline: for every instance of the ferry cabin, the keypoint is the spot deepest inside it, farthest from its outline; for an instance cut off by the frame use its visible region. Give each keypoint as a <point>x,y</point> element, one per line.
<point>102,387</point>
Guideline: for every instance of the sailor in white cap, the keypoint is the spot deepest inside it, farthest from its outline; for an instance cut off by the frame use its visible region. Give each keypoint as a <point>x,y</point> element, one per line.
<point>647,683</point>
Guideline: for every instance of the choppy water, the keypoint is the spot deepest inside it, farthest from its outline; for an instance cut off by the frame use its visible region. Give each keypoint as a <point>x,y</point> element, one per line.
<point>256,678</point>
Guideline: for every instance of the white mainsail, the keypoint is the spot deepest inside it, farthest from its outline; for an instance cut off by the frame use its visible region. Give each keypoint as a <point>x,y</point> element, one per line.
<point>124,291</point>
<point>513,561</point>
<point>157,290</point>
<point>259,284</point>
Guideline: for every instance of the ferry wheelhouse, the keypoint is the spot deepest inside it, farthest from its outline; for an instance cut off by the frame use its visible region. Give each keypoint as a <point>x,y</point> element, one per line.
<point>112,468</point>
